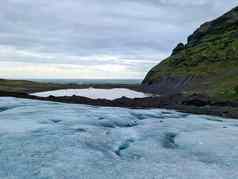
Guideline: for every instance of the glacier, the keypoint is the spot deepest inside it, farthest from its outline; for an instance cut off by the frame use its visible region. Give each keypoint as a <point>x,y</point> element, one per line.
<point>49,140</point>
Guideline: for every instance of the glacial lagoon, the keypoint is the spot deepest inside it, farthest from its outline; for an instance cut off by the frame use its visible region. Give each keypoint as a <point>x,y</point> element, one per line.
<point>95,93</point>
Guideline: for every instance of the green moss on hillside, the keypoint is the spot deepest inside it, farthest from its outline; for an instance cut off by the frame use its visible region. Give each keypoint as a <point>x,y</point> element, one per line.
<point>211,54</point>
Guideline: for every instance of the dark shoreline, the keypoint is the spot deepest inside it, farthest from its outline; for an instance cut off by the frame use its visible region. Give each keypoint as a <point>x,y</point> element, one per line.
<point>195,104</point>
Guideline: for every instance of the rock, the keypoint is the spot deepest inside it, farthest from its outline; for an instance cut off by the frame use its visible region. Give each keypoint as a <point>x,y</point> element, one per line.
<point>178,48</point>
<point>197,100</point>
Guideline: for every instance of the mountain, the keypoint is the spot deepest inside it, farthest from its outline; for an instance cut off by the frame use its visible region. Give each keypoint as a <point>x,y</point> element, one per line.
<point>207,64</point>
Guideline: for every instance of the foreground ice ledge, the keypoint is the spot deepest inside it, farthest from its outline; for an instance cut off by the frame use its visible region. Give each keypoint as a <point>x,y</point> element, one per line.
<point>42,139</point>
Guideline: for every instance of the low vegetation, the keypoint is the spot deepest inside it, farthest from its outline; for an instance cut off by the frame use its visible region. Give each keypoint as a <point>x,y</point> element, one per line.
<point>24,86</point>
<point>236,90</point>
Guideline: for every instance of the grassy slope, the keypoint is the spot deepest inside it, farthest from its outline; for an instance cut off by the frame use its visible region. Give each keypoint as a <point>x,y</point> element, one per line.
<point>212,57</point>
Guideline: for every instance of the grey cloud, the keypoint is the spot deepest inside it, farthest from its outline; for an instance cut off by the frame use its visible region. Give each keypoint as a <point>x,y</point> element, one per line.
<point>128,28</point>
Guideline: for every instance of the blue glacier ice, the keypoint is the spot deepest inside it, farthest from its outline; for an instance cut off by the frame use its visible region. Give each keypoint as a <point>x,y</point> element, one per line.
<point>48,140</point>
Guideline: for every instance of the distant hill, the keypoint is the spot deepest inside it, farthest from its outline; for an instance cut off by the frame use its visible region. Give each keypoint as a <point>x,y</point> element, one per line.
<point>207,64</point>
<point>24,86</point>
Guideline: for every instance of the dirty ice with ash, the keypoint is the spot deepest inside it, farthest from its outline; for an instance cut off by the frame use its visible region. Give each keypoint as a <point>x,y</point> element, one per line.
<point>56,141</point>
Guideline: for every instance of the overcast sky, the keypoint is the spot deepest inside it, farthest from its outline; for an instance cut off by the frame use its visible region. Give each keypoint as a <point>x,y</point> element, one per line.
<point>96,38</point>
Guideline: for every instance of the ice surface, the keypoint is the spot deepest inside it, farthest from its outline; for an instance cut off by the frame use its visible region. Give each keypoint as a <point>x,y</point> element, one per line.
<point>47,140</point>
<point>95,93</point>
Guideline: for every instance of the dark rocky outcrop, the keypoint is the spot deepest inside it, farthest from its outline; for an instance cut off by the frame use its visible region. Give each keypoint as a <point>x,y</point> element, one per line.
<point>178,48</point>
<point>169,84</point>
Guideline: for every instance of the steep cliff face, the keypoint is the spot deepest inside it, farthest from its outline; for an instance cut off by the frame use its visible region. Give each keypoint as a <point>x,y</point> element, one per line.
<point>207,64</point>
